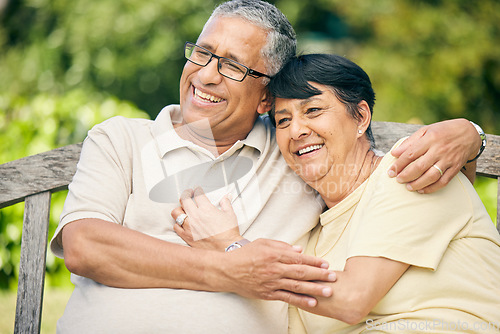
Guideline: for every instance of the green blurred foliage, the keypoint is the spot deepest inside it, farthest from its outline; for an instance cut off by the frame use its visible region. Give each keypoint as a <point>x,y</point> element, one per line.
<point>30,125</point>
<point>67,65</point>
<point>130,48</point>
<point>428,60</point>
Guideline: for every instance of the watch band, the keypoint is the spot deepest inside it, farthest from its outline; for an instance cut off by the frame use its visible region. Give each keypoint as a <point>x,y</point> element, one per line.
<point>482,135</point>
<point>236,245</point>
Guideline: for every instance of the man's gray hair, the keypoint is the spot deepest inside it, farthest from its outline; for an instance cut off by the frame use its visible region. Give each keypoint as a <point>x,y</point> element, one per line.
<point>281,42</point>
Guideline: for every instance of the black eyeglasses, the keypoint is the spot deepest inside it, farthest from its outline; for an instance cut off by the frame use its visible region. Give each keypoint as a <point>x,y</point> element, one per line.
<point>226,67</point>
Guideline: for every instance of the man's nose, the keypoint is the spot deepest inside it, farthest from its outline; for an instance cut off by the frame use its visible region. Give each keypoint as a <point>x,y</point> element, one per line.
<point>209,74</point>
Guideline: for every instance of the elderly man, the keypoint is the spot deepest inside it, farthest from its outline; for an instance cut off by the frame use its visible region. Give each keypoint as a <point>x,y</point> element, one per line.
<point>131,271</point>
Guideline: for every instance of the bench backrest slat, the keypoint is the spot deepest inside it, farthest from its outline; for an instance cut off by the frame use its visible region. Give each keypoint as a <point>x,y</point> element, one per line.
<point>387,133</point>
<point>48,171</point>
<point>32,266</point>
<point>32,179</point>
<point>498,204</point>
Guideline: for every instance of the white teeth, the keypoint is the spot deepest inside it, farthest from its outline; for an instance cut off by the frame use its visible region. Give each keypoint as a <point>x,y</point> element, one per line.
<point>205,96</point>
<point>309,149</point>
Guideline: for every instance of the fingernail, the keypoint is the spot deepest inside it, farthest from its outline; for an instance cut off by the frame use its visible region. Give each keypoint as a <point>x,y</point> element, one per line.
<point>327,292</point>
<point>311,303</point>
<point>409,187</point>
<point>391,173</point>
<point>420,191</point>
<point>297,248</point>
<point>325,265</point>
<point>332,277</point>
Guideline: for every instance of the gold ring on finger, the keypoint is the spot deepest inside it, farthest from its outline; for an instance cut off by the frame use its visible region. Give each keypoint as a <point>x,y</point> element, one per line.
<point>439,169</point>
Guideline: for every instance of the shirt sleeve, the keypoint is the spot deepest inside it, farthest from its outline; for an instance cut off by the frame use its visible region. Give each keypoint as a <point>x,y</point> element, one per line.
<point>102,183</point>
<point>409,227</point>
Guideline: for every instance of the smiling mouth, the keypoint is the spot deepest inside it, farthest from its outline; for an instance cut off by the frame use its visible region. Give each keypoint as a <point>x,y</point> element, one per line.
<point>206,97</point>
<point>308,149</point>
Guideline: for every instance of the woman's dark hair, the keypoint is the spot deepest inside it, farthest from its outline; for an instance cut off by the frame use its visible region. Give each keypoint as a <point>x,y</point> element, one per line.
<point>348,81</point>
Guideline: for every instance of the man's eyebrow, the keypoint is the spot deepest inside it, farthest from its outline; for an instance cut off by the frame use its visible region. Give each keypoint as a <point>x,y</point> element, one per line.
<point>206,46</point>
<point>232,56</point>
<point>235,57</point>
<point>229,56</point>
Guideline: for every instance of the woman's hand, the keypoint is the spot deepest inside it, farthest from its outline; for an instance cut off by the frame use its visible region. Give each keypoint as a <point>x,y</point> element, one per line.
<point>206,226</point>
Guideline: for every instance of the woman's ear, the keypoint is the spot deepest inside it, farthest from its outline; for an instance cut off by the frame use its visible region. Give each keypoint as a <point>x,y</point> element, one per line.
<point>265,104</point>
<point>365,117</point>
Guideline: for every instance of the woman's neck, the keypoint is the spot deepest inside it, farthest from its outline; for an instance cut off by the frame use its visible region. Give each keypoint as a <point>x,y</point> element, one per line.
<point>347,178</point>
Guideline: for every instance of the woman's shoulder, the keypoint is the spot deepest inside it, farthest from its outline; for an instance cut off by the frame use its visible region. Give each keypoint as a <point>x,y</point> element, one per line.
<point>455,193</point>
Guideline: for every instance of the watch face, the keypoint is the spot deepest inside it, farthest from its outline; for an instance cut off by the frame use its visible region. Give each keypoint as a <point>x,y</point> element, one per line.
<point>233,247</point>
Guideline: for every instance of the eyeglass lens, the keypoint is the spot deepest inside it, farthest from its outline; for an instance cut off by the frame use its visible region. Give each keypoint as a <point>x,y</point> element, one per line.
<point>227,67</point>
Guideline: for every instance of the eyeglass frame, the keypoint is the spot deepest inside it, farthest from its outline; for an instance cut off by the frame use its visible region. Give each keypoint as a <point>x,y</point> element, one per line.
<point>249,71</point>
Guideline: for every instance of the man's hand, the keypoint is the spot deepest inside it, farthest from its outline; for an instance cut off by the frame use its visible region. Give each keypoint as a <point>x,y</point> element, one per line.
<point>206,225</point>
<point>447,145</point>
<point>264,269</point>
<point>116,256</point>
<point>275,270</point>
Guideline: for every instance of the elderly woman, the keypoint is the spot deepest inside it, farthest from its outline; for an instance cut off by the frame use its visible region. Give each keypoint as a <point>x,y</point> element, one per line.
<point>405,262</point>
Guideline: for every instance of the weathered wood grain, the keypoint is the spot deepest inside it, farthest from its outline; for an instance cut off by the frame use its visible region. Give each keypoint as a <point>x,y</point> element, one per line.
<point>498,205</point>
<point>34,178</point>
<point>52,170</point>
<point>387,133</point>
<point>32,263</point>
<point>488,163</point>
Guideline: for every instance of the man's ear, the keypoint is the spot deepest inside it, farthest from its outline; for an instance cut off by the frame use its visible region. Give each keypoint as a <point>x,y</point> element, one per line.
<point>365,116</point>
<point>265,104</point>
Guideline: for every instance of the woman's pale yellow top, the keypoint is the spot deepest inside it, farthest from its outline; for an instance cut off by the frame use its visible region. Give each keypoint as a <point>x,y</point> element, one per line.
<point>448,239</point>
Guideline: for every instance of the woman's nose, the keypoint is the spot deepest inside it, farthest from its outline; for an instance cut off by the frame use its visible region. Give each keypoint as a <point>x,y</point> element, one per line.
<point>299,129</point>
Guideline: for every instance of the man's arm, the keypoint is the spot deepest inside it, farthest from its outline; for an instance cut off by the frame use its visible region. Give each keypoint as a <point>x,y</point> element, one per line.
<point>448,145</point>
<point>120,257</point>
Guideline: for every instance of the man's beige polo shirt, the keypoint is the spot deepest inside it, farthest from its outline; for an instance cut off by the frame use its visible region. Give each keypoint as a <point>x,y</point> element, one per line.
<point>131,172</point>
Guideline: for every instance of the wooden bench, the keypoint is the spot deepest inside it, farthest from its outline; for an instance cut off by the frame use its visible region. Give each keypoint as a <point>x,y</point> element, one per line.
<point>32,180</point>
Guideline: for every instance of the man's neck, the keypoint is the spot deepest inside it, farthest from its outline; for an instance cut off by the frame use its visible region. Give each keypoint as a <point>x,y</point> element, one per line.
<point>211,144</point>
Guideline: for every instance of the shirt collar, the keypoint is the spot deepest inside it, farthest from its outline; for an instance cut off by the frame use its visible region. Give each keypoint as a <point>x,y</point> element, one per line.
<point>167,139</point>
<point>258,137</point>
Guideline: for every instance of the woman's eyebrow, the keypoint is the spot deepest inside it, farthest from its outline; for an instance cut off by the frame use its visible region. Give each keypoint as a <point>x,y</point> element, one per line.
<point>281,111</point>
<point>309,99</point>
<point>302,103</point>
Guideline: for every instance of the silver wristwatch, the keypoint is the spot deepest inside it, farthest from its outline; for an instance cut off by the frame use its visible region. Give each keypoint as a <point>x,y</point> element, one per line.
<point>482,135</point>
<point>236,245</point>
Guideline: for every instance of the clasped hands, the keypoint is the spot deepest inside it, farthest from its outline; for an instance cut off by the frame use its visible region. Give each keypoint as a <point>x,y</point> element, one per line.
<point>264,269</point>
